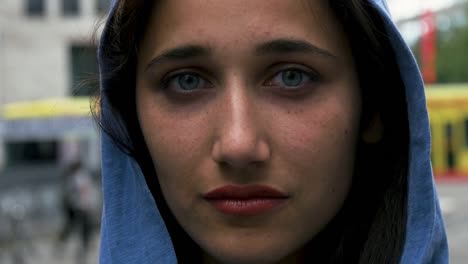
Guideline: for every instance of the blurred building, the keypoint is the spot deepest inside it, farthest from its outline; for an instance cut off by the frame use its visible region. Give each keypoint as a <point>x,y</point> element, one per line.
<point>438,37</point>
<point>451,14</point>
<point>47,51</point>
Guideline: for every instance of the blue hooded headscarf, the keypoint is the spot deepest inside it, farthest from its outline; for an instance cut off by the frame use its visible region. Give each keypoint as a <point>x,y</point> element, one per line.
<point>133,231</point>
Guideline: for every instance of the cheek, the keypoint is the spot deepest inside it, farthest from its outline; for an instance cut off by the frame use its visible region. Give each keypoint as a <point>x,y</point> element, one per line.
<point>172,140</point>
<point>318,145</point>
<point>325,134</point>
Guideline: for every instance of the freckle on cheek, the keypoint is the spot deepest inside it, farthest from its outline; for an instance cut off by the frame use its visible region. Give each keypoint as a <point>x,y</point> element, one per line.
<point>295,111</point>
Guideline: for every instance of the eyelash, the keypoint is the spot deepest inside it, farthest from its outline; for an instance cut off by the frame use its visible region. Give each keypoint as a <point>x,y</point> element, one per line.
<point>172,79</point>
<point>310,75</point>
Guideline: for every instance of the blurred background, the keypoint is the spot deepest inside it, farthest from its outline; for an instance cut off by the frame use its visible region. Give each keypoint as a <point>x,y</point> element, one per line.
<point>50,200</point>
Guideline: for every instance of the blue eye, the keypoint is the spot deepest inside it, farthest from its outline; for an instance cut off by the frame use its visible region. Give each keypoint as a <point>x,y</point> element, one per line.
<point>186,82</point>
<point>291,79</point>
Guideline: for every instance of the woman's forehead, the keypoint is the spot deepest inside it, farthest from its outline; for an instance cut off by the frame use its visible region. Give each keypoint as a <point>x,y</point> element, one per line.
<point>225,23</point>
<point>230,7</point>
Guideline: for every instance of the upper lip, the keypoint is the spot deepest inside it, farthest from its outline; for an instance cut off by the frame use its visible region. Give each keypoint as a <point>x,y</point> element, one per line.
<point>244,192</point>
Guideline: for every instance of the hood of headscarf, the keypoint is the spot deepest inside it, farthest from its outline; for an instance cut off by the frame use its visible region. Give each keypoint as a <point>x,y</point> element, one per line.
<point>133,230</point>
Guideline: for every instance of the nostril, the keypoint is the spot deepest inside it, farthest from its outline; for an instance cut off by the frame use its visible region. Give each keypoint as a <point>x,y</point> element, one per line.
<point>238,154</point>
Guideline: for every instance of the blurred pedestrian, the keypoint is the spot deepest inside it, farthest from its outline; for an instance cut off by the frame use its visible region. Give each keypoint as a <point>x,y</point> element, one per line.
<point>77,205</point>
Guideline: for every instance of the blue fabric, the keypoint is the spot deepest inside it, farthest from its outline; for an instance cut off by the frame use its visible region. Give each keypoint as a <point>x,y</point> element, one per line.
<point>132,228</point>
<point>133,231</point>
<point>426,241</point>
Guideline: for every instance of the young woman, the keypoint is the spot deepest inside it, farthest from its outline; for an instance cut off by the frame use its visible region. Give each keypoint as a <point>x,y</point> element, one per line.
<point>264,131</point>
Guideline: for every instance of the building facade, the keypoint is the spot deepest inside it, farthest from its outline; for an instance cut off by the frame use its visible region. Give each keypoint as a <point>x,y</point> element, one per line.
<point>47,50</point>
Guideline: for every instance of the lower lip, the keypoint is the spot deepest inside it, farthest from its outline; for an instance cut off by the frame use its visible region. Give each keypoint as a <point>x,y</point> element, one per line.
<point>247,207</point>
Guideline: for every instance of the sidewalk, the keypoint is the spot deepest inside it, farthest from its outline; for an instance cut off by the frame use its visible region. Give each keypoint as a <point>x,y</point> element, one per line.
<point>43,251</point>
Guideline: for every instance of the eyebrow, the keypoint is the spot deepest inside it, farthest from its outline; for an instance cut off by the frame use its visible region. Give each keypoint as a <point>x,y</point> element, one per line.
<point>277,46</point>
<point>292,46</point>
<point>180,54</point>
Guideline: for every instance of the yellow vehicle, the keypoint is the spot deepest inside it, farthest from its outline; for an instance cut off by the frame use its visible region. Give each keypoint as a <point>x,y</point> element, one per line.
<point>48,131</point>
<point>448,114</point>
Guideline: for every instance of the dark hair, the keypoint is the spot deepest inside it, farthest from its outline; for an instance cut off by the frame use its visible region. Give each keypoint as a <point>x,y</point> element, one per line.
<point>370,227</point>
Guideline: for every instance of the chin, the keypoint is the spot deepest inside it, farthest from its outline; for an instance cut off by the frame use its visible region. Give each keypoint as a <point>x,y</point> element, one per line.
<point>244,259</point>
<point>242,256</point>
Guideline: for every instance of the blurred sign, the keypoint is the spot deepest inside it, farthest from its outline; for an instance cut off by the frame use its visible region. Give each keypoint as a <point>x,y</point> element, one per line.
<point>46,128</point>
<point>47,108</point>
<point>428,47</point>
<point>46,119</point>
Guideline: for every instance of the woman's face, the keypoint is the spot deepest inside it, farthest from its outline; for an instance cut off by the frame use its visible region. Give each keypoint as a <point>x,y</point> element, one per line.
<point>250,110</point>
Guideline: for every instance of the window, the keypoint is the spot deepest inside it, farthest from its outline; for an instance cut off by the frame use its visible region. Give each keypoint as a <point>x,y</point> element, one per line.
<point>70,7</point>
<point>450,147</point>
<point>84,70</point>
<point>31,152</point>
<point>103,6</point>
<point>35,7</point>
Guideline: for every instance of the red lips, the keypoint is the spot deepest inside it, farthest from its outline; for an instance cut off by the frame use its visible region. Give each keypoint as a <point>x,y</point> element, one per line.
<point>245,199</point>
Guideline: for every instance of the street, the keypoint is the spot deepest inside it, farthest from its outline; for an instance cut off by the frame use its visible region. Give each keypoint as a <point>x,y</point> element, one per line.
<point>454,203</point>
<point>44,250</point>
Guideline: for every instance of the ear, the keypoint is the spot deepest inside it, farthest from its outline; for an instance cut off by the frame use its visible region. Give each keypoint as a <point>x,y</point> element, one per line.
<point>373,131</point>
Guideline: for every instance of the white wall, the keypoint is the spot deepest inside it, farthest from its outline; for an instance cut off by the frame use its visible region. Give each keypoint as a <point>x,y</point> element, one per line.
<point>34,51</point>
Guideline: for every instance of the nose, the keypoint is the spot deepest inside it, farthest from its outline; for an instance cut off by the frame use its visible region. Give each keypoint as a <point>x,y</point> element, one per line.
<point>241,139</point>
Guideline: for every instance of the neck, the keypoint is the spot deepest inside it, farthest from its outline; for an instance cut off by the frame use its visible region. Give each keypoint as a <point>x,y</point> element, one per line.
<point>294,258</point>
